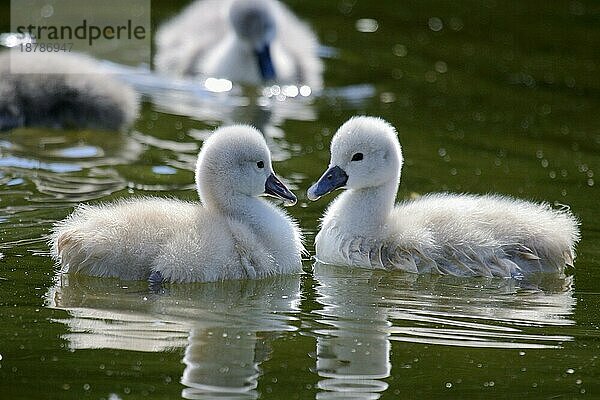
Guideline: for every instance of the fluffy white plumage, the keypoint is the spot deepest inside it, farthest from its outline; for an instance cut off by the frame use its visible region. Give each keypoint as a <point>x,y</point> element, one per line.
<point>233,234</point>
<point>66,90</point>
<point>219,38</point>
<point>456,234</point>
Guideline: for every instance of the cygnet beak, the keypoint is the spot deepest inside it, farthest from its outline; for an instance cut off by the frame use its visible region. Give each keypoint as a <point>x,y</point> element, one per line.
<point>274,187</point>
<point>333,178</point>
<point>265,63</point>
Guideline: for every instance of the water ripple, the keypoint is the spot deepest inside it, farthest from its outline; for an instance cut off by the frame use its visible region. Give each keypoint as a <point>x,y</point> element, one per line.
<point>363,311</point>
<point>27,163</point>
<point>226,328</point>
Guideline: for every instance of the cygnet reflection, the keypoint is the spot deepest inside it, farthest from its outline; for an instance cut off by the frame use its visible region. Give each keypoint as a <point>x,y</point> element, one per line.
<point>226,327</point>
<point>364,312</point>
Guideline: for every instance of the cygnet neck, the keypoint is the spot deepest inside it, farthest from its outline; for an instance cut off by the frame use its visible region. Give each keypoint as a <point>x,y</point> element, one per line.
<point>370,206</point>
<point>255,212</point>
<point>229,202</point>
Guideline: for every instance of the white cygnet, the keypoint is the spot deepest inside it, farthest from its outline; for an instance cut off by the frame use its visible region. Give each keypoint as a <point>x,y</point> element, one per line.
<point>62,91</point>
<point>455,234</point>
<point>246,41</point>
<point>232,234</point>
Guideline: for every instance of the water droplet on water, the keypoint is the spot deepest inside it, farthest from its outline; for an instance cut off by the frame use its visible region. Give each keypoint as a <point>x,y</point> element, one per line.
<point>387,97</point>
<point>400,50</point>
<point>367,25</point>
<point>441,67</point>
<point>456,24</point>
<point>435,24</point>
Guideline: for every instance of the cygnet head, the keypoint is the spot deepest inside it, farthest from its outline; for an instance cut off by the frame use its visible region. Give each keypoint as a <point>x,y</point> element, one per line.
<point>365,152</point>
<point>235,162</point>
<point>253,23</point>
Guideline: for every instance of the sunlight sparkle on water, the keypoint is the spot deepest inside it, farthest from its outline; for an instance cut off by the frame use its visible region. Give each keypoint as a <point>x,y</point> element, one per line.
<point>218,85</point>
<point>163,170</point>
<point>305,91</point>
<point>290,90</point>
<point>285,91</point>
<point>80,152</point>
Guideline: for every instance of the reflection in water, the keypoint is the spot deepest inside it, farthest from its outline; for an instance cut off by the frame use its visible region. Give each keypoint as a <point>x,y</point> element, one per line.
<point>53,161</point>
<point>265,119</point>
<point>195,98</point>
<point>50,169</point>
<point>353,350</point>
<point>266,110</point>
<point>189,97</point>
<point>226,328</point>
<point>364,310</point>
<point>222,361</point>
<point>265,114</point>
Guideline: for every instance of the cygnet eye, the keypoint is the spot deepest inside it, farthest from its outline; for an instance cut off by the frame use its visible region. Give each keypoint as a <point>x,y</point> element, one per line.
<point>260,164</point>
<point>357,157</point>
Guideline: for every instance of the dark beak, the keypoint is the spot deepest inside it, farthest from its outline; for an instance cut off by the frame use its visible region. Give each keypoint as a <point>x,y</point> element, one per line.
<point>265,63</point>
<point>333,178</point>
<point>274,187</point>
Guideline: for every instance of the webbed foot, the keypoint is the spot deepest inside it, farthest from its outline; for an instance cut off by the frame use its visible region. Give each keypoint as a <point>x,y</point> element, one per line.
<point>155,281</point>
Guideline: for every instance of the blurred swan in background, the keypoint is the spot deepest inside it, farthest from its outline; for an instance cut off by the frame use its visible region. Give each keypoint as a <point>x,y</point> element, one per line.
<point>62,91</point>
<point>233,234</point>
<point>246,41</point>
<point>444,233</point>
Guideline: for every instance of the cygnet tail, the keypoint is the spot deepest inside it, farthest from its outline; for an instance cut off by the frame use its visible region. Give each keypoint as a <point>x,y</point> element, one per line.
<point>93,241</point>
<point>74,250</point>
<point>555,243</point>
